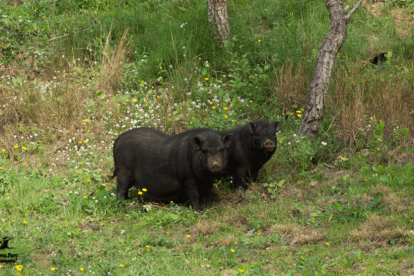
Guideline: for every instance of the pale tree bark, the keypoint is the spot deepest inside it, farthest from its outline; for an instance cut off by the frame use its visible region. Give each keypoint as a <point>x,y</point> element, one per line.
<point>332,43</point>
<point>219,19</point>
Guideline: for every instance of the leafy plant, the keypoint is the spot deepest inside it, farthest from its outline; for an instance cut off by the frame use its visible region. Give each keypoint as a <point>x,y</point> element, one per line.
<point>343,213</point>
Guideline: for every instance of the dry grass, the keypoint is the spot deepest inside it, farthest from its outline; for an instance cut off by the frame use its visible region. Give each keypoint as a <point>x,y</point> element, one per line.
<point>226,241</point>
<point>291,86</point>
<point>208,228</point>
<point>358,99</point>
<point>14,2</point>
<point>392,202</point>
<point>400,158</point>
<point>111,68</point>
<point>311,238</point>
<point>285,229</point>
<point>378,94</point>
<point>378,229</point>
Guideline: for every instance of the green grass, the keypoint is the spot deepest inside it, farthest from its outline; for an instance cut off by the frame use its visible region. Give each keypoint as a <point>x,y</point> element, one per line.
<point>54,225</point>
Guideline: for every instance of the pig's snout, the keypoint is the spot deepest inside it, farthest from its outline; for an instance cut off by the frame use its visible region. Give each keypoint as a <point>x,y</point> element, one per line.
<point>215,167</point>
<point>269,145</point>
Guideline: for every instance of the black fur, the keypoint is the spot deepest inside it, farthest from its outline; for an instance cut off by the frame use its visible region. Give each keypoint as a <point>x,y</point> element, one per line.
<point>174,167</point>
<point>247,153</point>
<point>379,59</point>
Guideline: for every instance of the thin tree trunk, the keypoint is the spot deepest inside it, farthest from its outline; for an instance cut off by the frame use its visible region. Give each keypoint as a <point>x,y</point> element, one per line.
<point>332,43</point>
<point>219,19</point>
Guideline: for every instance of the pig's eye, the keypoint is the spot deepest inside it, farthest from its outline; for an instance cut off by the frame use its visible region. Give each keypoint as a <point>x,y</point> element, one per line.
<point>204,151</point>
<point>221,150</point>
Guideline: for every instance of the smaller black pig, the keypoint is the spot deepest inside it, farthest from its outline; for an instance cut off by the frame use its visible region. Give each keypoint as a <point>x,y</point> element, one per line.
<point>174,167</point>
<point>253,145</point>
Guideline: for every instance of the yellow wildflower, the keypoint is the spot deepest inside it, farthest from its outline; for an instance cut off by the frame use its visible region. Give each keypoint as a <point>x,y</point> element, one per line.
<point>214,107</point>
<point>299,115</point>
<point>206,79</point>
<point>3,150</point>
<point>52,268</point>
<point>121,265</point>
<point>225,116</point>
<point>298,111</point>
<point>139,192</point>
<point>82,269</point>
<point>144,190</point>
<point>188,236</point>
<point>232,250</point>
<point>16,146</point>
<point>327,243</point>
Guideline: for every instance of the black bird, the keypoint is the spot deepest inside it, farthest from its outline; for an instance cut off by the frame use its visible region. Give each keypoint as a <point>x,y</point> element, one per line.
<point>379,59</point>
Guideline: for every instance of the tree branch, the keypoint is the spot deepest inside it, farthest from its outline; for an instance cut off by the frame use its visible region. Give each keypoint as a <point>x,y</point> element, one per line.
<point>62,36</point>
<point>353,10</point>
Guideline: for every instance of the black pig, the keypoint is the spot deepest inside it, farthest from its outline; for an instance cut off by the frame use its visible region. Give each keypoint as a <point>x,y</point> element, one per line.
<point>174,167</point>
<point>253,145</point>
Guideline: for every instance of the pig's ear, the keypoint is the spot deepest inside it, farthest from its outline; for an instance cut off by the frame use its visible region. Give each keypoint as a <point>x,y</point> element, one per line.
<point>276,126</point>
<point>196,142</point>
<point>252,127</point>
<point>228,139</point>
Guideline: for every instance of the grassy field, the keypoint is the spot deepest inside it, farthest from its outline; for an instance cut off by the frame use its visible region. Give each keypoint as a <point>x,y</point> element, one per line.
<point>74,75</point>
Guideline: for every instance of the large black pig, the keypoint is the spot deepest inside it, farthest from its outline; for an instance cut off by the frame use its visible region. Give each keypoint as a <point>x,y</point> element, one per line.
<point>253,145</point>
<point>174,167</point>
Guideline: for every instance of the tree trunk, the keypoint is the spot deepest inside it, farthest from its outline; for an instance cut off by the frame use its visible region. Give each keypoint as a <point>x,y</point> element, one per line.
<point>219,19</point>
<point>318,89</point>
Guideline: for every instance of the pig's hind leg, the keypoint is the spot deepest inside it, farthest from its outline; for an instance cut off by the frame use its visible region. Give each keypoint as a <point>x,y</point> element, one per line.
<point>124,183</point>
